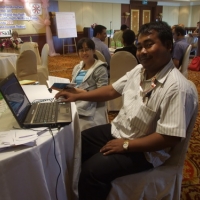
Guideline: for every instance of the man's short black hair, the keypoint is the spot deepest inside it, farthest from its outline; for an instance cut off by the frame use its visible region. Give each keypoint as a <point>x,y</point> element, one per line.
<point>98,29</point>
<point>179,30</point>
<point>123,27</point>
<point>128,37</point>
<point>163,29</point>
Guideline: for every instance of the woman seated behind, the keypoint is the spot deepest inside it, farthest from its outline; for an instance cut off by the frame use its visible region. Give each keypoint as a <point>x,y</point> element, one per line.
<point>89,74</point>
<point>128,38</point>
<point>15,38</point>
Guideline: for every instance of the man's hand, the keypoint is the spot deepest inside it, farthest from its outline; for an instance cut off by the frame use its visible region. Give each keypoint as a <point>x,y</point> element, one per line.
<point>113,146</point>
<point>69,94</point>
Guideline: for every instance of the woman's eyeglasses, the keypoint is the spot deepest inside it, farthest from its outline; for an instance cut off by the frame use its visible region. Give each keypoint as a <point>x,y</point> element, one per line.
<point>84,50</point>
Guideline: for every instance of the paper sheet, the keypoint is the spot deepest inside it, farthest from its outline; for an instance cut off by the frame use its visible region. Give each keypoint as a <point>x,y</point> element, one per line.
<point>17,137</point>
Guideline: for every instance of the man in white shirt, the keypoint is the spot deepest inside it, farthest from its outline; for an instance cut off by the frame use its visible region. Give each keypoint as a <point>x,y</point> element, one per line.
<point>151,121</point>
<point>99,38</point>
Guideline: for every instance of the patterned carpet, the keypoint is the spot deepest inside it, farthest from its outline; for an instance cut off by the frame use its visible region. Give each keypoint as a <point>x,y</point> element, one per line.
<point>62,66</point>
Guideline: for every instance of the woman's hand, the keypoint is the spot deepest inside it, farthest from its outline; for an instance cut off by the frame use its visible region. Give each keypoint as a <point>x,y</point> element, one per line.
<point>113,146</point>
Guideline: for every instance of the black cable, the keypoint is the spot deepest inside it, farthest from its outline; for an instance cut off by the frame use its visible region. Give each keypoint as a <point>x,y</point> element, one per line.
<point>56,161</point>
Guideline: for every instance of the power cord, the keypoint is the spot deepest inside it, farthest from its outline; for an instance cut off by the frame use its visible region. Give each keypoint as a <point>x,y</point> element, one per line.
<point>56,192</point>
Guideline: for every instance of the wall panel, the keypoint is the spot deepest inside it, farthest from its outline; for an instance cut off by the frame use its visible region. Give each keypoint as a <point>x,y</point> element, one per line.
<point>170,14</point>
<point>64,6</point>
<point>184,15</point>
<point>77,7</point>
<point>87,15</point>
<point>195,17</point>
<point>116,16</point>
<point>97,13</point>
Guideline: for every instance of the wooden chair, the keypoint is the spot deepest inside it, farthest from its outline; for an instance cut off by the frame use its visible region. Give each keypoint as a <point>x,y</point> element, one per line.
<point>163,182</point>
<point>120,63</point>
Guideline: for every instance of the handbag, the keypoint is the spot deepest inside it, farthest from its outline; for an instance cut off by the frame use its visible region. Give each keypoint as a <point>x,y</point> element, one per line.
<point>195,64</point>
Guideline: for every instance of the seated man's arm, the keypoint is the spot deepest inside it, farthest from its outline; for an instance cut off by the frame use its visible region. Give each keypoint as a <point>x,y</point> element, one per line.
<point>153,142</point>
<point>104,93</point>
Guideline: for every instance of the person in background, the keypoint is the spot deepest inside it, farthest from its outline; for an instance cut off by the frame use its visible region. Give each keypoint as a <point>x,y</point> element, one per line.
<point>180,45</point>
<point>89,74</point>
<point>197,29</point>
<point>118,34</point>
<point>99,38</point>
<point>128,39</point>
<point>182,25</point>
<point>150,123</point>
<point>15,37</point>
<point>192,39</point>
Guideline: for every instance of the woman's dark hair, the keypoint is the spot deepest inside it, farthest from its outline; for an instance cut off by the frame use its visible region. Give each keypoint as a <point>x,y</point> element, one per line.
<point>90,44</point>
<point>163,29</point>
<point>128,37</point>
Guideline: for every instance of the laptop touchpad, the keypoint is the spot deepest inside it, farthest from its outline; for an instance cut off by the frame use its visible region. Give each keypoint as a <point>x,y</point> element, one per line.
<point>64,112</point>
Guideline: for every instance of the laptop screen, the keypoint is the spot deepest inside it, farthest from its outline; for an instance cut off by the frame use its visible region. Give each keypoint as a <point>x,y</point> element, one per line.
<point>15,97</point>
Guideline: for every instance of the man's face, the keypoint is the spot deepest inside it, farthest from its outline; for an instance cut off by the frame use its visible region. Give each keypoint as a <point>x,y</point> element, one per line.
<point>102,36</point>
<point>152,54</point>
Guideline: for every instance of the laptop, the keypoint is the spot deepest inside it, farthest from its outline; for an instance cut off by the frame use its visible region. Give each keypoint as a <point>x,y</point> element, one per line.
<point>29,115</point>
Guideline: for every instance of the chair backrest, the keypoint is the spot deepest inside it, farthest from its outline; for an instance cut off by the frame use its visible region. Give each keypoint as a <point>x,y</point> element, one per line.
<point>45,55</point>
<point>26,46</point>
<point>26,68</point>
<point>100,56</point>
<point>163,182</point>
<point>26,65</point>
<point>184,67</point>
<point>120,63</point>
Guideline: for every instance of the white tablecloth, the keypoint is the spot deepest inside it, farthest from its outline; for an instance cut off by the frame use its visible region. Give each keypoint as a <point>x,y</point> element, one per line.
<point>7,64</point>
<point>30,173</point>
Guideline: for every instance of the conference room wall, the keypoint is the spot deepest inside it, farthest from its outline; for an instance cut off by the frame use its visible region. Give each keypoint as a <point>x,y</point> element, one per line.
<point>187,15</point>
<point>88,13</point>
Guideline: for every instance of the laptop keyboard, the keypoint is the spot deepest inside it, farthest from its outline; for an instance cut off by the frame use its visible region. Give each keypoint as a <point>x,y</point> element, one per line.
<point>46,112</point>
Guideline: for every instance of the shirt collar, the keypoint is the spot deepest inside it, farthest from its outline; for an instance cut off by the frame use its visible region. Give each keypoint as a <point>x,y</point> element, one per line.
<point>162,75</point>
<point>97,39</point>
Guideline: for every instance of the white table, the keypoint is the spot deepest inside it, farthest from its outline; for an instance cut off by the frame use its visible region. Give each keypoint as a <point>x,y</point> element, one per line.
<point>31,172</point>
<point>7,64</point>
